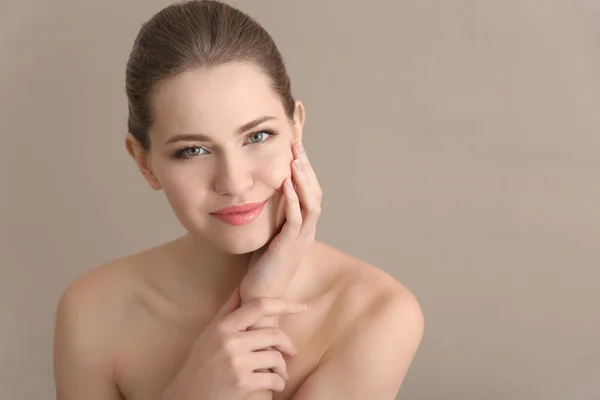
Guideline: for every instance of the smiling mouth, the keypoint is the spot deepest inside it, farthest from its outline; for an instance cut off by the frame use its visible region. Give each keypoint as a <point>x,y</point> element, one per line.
<point>241,209</point>
<point>240,215</point>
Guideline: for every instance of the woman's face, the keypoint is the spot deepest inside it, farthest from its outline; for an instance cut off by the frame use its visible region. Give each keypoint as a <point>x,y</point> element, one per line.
<point>221,137</point>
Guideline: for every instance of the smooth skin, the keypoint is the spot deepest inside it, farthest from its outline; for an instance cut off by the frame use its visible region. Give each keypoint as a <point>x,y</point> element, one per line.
<point>212,314</point>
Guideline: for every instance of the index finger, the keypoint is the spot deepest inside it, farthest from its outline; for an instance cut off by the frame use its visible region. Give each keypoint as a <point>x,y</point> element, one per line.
<point>251,313</point>
<point>300,154</point>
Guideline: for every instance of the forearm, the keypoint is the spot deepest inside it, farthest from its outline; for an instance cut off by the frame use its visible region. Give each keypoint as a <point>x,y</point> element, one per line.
<point>262,285</point>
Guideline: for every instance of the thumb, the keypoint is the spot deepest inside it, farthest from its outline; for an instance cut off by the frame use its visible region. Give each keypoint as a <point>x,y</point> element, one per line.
<point>232,304</point>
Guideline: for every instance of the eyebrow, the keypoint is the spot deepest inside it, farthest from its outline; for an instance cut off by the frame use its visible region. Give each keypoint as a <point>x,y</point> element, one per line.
<point>205,138</point>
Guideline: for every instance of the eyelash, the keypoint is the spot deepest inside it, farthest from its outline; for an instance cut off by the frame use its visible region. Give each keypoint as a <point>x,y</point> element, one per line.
<point>180,153</point>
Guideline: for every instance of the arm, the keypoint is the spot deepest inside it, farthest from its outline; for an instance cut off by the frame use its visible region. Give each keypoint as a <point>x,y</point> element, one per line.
<point>82,363</point>
<point>371,358</point>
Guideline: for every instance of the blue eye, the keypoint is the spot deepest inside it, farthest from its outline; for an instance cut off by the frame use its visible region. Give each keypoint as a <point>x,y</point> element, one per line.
<point>190,152</point>
<point>261,136</point>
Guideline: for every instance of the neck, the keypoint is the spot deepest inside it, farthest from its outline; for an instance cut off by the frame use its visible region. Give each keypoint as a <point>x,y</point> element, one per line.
<point>206,267</point>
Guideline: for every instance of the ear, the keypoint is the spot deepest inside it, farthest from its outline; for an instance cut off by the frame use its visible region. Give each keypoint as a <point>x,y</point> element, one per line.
<point>142,159</point>
<point>299,117</point>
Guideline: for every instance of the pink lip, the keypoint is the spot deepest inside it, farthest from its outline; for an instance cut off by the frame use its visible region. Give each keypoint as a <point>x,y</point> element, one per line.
<point>240,215</point>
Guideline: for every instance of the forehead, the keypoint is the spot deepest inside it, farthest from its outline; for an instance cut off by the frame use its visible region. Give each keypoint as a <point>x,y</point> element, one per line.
<point>214,99</point>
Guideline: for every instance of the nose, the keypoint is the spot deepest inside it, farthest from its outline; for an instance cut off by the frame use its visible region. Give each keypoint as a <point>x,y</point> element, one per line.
<point>234,176</point>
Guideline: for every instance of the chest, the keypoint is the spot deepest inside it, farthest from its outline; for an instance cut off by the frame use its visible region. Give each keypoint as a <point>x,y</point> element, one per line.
<point>154,349</point>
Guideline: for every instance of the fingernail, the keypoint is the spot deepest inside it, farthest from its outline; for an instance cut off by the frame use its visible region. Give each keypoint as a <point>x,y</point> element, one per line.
<point>298,165</point>
<point>299,148</point>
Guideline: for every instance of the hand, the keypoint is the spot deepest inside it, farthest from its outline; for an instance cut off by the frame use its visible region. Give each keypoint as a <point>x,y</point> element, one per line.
<point>223,360</point>
<point>272,268</point>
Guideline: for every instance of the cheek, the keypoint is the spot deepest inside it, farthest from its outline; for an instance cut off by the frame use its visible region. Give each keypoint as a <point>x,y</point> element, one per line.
<point>183,184</point>
<point>275,165</point>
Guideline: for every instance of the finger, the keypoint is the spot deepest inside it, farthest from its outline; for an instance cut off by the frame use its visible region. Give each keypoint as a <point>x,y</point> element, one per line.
<point>268,359</point>
<point>300,154</point>
<point>293,215</point>
<point>309,200</point>
<point>266,380</point>
<point>314,195</point>
<point>260,339</point>
<point>250,313</point>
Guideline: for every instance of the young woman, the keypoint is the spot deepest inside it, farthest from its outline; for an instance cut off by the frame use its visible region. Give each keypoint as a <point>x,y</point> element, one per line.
<point>246,305</point>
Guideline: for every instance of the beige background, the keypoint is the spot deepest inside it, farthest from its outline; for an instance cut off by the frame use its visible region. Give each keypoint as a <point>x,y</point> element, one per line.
<point>456,141</point>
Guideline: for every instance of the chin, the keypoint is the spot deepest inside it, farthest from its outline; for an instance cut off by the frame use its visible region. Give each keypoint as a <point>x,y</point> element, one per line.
<point>242,245</point>
<point>242,239</point>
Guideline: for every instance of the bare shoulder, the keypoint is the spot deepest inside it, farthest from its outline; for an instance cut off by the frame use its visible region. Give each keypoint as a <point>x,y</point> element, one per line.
<point>361,287</point>
<point>366,294</point>
<point>380,303</point>
<point>379,326</point>
<point>97,296</point>
<point>90,315</point>
<point>106,293</point>
<point>92,305</point>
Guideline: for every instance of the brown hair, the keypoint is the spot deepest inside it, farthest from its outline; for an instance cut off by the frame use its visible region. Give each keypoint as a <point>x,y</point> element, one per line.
<point>193,34</point>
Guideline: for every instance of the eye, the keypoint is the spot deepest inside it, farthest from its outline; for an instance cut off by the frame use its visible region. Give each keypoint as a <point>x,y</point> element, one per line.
<point>190,152</point>
<point>260,136</point>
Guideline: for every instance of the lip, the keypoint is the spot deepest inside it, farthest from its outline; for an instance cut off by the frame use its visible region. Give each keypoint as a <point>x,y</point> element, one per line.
<point>239,215</point>
<point>241,209</point>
